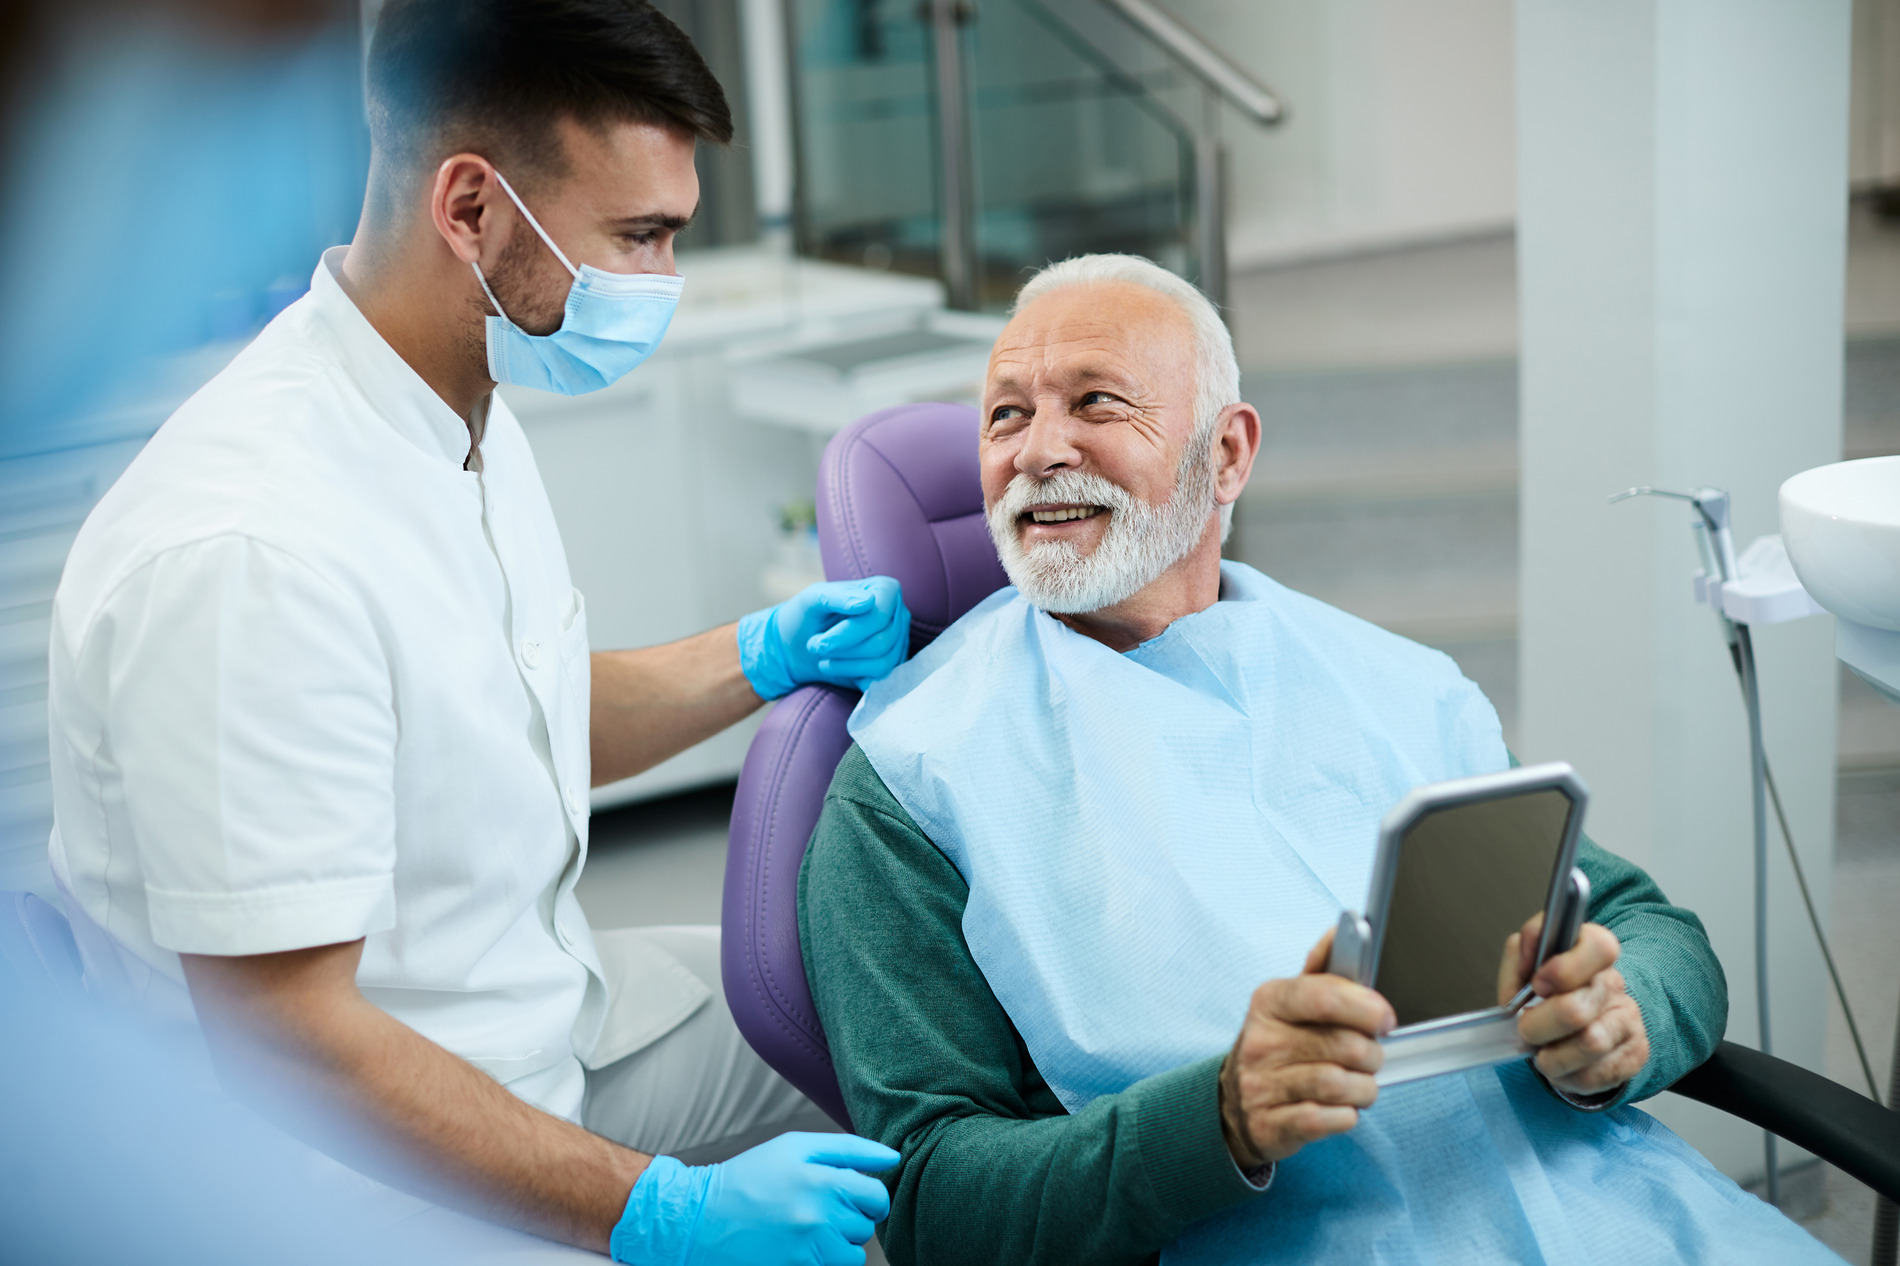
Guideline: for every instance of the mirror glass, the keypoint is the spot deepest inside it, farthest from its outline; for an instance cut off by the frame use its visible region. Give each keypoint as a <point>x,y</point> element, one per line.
<point>1469,875</point>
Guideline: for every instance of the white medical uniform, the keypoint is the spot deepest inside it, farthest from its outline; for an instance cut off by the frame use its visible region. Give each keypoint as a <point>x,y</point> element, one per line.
<point>319,674</point>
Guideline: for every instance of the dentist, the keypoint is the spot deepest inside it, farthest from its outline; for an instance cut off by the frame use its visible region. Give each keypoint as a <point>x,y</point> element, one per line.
<point>325,715</point>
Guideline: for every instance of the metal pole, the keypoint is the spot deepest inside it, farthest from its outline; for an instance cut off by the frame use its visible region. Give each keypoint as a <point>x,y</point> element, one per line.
<point>956,173</point>
<point>1210,200</point>
<point>1758,780</point>
<point>768,83</point>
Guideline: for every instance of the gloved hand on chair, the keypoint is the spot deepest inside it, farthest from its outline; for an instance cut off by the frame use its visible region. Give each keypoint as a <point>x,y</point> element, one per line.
<point>842,632</point>
<point>797,1199</point>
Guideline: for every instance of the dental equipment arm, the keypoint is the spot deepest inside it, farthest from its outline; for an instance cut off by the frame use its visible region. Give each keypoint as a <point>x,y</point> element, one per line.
<point>1716,546</point>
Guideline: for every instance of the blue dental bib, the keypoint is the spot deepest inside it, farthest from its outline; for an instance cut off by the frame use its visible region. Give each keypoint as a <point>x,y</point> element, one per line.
<point>1147,837</point>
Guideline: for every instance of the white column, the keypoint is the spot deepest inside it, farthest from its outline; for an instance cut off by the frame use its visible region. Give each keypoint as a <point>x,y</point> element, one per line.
<point>1682,219</point>
<point>769,104</point>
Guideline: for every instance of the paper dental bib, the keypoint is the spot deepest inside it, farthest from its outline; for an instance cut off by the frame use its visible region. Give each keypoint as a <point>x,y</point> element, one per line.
<point>1147,837</point>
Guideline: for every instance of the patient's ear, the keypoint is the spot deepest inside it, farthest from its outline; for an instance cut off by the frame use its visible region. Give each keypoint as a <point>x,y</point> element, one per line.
<point>1238,430</point>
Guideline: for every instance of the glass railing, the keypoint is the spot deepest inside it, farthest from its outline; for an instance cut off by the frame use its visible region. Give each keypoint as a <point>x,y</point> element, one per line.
<point>1073,150</point>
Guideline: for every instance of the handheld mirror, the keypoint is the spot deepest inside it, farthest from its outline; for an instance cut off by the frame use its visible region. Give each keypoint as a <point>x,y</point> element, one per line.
<point>1461,865</point>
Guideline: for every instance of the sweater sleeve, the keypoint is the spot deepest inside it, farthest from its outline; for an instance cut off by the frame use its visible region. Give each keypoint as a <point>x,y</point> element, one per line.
<point>993,1168</point>
<point>1668,967</point>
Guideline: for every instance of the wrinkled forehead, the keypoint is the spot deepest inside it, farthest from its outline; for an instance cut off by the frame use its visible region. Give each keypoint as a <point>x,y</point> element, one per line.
<point>1118,333</point>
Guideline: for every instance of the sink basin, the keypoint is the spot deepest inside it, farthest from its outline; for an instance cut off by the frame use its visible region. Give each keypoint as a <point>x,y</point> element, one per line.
<point>1841,527</point>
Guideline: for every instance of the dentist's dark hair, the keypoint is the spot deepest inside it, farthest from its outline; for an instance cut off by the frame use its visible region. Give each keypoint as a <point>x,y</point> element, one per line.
<point>495,77</point>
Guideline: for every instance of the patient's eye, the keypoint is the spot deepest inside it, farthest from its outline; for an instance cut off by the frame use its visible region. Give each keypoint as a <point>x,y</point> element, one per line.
<point>1096,397</point>
<point>1004,413</point>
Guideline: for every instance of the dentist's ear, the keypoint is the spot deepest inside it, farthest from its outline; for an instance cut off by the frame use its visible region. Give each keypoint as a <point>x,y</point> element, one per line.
<point>1238,443</point>
<point>463,197</point>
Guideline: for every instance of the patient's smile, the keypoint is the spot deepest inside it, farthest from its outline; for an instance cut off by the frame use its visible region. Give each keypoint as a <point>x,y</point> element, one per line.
<point>1061,514</point>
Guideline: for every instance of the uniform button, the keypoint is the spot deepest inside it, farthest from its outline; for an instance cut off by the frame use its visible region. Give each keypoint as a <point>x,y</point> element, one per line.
<point>573,802</point>
<point>531,654</point>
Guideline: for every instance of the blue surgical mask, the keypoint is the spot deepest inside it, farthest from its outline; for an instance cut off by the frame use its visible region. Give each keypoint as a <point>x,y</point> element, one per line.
<point>613,322</point>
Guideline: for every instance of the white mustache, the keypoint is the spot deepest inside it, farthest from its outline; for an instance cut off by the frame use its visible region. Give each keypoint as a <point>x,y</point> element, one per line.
<point>1071,486</point>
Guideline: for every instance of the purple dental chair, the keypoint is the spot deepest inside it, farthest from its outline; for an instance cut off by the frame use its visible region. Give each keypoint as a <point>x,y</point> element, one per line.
<point>898,495</point>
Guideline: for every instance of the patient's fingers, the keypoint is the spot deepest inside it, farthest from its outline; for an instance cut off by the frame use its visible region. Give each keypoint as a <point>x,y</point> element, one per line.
<point>1509,976</point>
<point>1304,1061</point>
<point>1319,1083</point>
<point>1264,1048</point>
<point>1280,1132</point>
<point>1350,1050</point>
<point>1527,938</point>
<point>1317,956</point>
<point>1326,1000</point>
<point>1596,949</point>
<point>1557,1018</point>
<point>1602,1055</point>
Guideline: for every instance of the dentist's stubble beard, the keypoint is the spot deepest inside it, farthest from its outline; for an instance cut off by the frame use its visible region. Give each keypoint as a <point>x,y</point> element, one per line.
<point>1142,540</point>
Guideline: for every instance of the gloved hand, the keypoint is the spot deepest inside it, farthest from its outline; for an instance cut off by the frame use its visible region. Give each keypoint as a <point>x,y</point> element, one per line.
<point>798,1199</point>
<point>803,640</point>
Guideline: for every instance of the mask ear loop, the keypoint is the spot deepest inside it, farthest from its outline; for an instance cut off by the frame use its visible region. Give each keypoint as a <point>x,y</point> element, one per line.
<point>539,232</point>
<point>536,224</point>
<point>493,301</point>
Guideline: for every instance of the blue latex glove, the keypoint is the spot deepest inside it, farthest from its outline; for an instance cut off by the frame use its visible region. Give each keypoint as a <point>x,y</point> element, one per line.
<point>796,1200</point>
<point>803,639</point>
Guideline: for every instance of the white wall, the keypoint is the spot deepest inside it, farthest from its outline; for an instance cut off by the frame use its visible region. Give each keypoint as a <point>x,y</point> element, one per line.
<point>1402,127</point>
<point>1682,250</point>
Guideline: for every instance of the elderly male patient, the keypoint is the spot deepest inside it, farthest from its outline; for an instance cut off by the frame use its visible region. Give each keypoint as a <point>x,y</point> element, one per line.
<point>1066,911</point>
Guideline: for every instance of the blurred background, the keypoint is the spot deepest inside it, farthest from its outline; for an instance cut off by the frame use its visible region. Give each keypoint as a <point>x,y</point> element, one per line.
<point>1343,175</point>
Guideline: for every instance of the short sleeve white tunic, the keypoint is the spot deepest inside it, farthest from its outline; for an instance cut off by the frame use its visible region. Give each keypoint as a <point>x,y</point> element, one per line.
<point>312,681</point>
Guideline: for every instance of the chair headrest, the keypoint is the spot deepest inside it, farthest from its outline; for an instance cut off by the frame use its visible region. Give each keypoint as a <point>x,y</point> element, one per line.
<point>899,495</point>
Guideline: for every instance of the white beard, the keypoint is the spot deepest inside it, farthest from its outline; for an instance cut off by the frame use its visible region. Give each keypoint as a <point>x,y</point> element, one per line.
<point>1142,541</point>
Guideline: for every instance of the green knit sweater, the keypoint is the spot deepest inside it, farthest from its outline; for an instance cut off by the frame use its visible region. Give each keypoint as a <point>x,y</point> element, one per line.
<point>994,1169</point>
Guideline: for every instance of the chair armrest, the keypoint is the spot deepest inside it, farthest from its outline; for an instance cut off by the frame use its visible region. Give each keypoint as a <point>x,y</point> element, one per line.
<point>1841,1126</point>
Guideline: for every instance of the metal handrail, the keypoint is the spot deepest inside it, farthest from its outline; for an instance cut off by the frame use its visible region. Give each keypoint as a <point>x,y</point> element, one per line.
<point>1219,79</point>
<point>1242,90</point>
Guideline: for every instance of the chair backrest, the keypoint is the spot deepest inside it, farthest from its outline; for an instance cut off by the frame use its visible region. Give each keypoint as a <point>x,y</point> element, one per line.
<point>898,495</point>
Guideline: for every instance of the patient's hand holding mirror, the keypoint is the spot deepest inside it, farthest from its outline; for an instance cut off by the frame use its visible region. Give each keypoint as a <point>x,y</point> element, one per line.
<point>1462,867</point>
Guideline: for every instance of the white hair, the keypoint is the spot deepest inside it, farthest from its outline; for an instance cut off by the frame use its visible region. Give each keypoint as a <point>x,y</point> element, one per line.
<point>1216,371</point>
